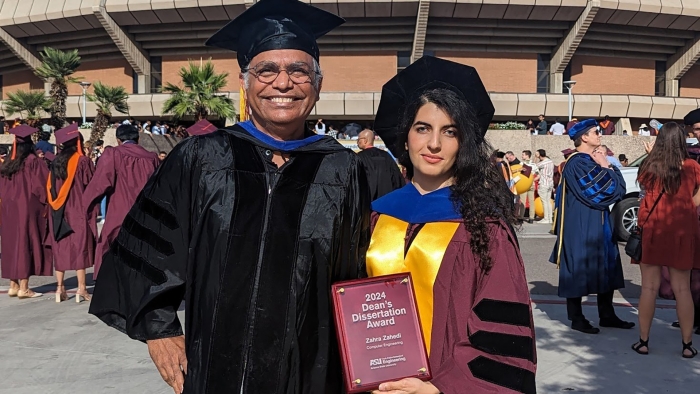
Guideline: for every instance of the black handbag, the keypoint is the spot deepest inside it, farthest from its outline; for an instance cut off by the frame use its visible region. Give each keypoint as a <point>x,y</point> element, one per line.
<point>634,242</point>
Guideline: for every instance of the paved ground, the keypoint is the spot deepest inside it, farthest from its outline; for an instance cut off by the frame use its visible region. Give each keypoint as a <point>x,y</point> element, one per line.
<point>58,348</point>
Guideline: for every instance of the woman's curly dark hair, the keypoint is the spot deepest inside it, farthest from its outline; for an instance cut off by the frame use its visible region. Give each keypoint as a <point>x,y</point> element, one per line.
<point>479,191</point>
<point>11,167</point>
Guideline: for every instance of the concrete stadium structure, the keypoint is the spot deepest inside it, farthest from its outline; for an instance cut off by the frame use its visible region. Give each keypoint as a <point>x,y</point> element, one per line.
<point>631,58</point>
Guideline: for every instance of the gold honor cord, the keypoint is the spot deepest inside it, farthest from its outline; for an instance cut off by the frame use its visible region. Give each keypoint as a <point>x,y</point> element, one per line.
<point>386,256</point>
<point>561,208</point>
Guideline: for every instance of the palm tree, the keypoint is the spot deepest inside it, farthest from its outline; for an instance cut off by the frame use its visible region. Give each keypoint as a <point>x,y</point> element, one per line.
<point>57,67</point>
<point>200,95</point>
<point>30,103</point>
<point>107,98</point>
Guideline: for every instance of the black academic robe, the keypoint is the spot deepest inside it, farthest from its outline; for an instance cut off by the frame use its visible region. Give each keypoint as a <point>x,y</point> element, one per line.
<point>383,173</point>
<point>252,250</point>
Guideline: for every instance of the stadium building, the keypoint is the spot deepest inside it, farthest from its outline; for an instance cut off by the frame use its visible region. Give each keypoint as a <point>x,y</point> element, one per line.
<point>631,59</point>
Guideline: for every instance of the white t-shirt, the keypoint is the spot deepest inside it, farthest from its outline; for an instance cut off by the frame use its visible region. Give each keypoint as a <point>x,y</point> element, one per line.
<point>557,129</point>
<point>645,132</point>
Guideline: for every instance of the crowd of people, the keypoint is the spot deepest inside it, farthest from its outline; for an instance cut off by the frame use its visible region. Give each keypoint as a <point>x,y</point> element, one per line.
<point>49,204</point>
<point>606,126</point>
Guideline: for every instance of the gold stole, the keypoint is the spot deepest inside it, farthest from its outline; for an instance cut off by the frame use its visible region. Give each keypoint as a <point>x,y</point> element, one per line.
<point>386,256</point>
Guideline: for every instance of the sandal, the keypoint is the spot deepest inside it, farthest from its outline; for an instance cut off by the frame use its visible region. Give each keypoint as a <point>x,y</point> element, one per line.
<point>642,343</point>
<point>689,346</point>
<point>61,294</point>
<point>28,294</point>
<point>80,297</point>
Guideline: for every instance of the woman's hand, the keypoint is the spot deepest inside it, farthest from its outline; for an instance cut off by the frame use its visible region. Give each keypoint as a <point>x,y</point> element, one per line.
<point>407,386</point>
<point>696,198</point>
<point>648,146</point>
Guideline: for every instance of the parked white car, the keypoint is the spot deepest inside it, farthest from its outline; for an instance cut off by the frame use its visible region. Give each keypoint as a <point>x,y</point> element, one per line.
<point>624,213</point>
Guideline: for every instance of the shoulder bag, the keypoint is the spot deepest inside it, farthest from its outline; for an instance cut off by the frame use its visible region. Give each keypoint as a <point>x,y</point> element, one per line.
<point>634,242</point>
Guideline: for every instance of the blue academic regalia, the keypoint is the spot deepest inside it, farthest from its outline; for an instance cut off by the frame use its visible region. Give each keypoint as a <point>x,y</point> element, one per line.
<point>586,251</point>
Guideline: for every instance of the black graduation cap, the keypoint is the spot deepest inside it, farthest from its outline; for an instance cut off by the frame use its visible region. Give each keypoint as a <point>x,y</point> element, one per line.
<point>692,117</point>
<point>425,74</point>
<point>275,24</point>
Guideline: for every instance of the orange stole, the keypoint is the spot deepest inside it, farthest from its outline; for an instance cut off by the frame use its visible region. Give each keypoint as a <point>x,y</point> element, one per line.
<point>65,188</point>
<point>386,256</point>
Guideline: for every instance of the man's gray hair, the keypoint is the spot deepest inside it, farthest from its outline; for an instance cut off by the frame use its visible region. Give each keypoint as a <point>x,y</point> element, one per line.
<point>316,77</point>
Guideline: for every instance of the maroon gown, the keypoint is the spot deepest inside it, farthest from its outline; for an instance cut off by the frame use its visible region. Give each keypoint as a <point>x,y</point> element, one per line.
<point>121,173</point>
<point>24,229</point>
<point>483,336</point>
<point>77,250</point>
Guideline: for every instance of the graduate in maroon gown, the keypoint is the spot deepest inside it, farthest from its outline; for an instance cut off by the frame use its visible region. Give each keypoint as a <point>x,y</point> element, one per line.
<point>120,175</point>
<point>24,225</point>
<point>451,227</point>
<point>72,241</point>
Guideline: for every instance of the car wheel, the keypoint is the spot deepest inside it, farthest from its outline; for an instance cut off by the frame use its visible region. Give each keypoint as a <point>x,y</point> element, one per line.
<point>625,217</point>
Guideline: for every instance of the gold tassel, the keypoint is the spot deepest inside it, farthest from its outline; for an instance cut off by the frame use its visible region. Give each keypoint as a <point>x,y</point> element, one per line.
<point>242,110</point>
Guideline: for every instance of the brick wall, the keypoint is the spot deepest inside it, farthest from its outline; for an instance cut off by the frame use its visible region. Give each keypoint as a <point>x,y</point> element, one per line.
<point>501,72</point>
<point>20,80</point>
<point>347,72</point>
<point>608,75</point>
<point>690,83</point>
<point>222,63</point>
<point>108,72</point>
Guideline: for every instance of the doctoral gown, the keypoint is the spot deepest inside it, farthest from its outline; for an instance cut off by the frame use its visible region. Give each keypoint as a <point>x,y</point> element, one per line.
<point>478,325</point>
<point>585,250</point>
<point>23,237</point>
<point>77,250</point>
<point>120,175</point>
<point>252,249</point>
<point>383,173</point>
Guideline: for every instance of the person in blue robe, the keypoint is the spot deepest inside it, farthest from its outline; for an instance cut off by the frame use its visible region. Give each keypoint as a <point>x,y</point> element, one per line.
<point>585,251</point>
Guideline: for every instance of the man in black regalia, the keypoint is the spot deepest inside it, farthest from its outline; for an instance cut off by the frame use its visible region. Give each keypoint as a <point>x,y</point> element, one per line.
<point>249,225</point>
<point>382,171</point>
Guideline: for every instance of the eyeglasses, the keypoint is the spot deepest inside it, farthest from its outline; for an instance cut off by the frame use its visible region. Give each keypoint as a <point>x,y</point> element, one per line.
<point>267,72</point>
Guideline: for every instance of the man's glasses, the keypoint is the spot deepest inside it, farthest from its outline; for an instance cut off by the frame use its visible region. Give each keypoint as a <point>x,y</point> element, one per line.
<point>267,72</point>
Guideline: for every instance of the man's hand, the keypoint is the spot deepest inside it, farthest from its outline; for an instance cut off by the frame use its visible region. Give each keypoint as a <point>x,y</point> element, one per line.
<point>168,354</point>
<point>407,386</point>
<point>600,157</point>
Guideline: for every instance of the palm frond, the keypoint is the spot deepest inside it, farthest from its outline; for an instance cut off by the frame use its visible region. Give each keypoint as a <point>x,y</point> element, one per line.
<point>108,98</point>
<point>57,64</point>
<point>31,103</point>
<point>199,94</point>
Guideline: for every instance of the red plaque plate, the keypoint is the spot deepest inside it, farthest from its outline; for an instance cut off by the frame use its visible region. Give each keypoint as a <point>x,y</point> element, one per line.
<point>379,331</point>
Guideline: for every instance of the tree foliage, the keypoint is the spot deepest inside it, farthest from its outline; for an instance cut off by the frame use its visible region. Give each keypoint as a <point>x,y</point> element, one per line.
<point>200,94</point>
<point>27,104</point>
<point>58,67</point>
<point>108,99</point>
